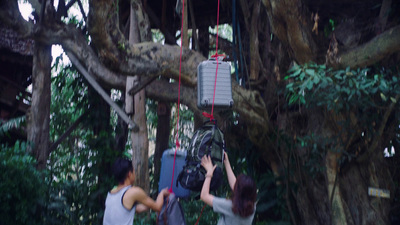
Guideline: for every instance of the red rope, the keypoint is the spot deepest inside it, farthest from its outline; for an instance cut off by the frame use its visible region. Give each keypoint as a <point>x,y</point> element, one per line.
<point>179,99</point>
<point>198,219</point>
<point>211,116</point>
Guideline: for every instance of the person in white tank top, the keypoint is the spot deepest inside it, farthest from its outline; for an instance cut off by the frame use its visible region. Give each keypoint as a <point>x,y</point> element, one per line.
<point>125,200</point>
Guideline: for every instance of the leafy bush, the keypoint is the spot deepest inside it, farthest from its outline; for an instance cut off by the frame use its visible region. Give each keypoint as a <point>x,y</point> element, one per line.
<point>21,187</point>
<point>78,183</point>
<point>316,85</point>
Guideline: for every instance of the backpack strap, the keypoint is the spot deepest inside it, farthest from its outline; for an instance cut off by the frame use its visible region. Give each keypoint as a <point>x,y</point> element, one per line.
<point>165,206</point>
<point>166,212</point>
<point>209,143</point>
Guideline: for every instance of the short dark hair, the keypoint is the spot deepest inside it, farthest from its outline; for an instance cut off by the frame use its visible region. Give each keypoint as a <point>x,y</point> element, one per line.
<point>244,196</point>
<point>121,168</point>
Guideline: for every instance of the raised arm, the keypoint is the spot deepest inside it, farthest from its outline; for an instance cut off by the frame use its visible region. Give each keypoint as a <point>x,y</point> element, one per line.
<point>205,195</point>
<point>229,173</point>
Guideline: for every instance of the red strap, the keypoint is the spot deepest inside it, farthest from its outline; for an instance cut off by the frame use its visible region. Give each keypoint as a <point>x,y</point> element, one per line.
<point>198,219</point>
<point>216,56</point>
<point>208,115</point>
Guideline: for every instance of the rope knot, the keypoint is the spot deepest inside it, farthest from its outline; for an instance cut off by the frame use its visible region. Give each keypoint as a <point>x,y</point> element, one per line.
<point>218,57</point>
<point>210,116</point>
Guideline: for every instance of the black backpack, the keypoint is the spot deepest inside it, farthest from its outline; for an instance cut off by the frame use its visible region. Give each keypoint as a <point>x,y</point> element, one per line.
<point>207,140</point>
<point>171,212</point>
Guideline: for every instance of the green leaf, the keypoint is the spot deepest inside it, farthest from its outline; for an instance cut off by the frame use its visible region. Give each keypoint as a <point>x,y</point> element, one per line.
<point>309,85</point>
<point>293,99</point>
<point>302,100</point>
<point>295,67</point>
<point>316,80</point>
<point>295,73</point>
<point>383,97</point>
<point>302,75</point>
<point>383,86</point>
<point>290,86</point>
<point>310,72</point>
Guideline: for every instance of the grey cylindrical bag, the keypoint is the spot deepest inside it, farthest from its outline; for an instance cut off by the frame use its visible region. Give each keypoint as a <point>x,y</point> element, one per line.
<point>171,212</point>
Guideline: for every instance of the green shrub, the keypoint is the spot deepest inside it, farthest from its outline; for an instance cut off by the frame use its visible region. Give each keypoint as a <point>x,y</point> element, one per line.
<point>21,188</point>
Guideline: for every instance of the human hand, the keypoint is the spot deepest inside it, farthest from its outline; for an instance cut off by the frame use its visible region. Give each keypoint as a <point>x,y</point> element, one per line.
<point>226,159</point>
<point>206,162</point>
<point>165,192</point>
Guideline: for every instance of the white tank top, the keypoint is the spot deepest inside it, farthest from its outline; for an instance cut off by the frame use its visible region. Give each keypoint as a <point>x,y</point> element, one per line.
<point>115,212</point>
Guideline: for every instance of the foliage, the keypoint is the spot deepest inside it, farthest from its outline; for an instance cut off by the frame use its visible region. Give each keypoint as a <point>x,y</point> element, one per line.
<point>76,194</point>
<point>185,128</point>
<point>21,187</point>
<point>68,99</point>
<point>194,211</point>
<point>314,148</point>
<point>79,177</point>
<point>359,93</point>
<point>340,89</point>
<point>10,124</point>
<point>363,95</point>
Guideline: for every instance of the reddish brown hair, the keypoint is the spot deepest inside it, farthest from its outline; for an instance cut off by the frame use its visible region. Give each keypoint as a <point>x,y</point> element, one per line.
<point>244,196</point>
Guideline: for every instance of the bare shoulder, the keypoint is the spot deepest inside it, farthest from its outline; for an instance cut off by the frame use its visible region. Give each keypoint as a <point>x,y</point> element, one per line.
<point>133,195</point>
<point>134,191</point>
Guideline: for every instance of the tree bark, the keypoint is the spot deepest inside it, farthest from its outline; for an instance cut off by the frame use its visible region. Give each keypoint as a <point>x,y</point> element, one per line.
<point>162,136</point>
<point>290,23</point>
<point>140,142</point>
<point>373,51</point>
<point>254,50</point>
<point>39,113</point>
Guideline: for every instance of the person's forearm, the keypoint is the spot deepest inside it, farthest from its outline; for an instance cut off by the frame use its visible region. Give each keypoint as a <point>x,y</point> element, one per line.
<point>205,191</point>
<point>229,173</point>
<point>159,201</point>
<point>206,187</point>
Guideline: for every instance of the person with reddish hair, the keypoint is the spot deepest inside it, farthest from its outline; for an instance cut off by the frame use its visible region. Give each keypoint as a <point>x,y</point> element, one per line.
<point>240,209</point>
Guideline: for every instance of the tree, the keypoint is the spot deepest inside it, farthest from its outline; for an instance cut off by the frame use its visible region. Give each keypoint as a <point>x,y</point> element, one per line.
<point>304,142</point>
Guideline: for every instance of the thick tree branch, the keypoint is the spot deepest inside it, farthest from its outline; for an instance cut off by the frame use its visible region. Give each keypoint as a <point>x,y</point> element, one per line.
<point>145,59</point>
<point>148,58</point>
<point>10,15</point>
<point>248,104</point>
<point>373,51</point>
<point>292,27</point>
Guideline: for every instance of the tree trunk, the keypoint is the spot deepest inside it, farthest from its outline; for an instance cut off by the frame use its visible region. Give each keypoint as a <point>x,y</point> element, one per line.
<point>254,44</point>
<point>121,135</point>
<point>39,114</point>
<point>162,136</point>
<point>140,142</point>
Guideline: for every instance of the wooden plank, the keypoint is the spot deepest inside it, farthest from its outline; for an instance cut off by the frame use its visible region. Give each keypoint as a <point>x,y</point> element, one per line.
<point>143,82</point>
<point>102,93</point>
